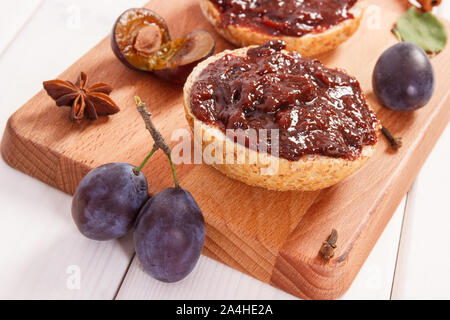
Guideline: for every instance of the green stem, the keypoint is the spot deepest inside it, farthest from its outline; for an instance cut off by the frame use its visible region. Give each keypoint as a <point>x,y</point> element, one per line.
<point>147,158</point>
<point>175,179</point>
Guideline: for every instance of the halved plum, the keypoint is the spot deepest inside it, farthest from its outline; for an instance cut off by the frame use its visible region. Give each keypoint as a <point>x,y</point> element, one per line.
<point>141,40</point>
<point>131,33</point>
<point>195,47</point>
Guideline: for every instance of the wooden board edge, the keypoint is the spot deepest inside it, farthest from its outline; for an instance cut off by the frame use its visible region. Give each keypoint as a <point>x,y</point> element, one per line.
<point>331,280</point>
<point>30,158</point>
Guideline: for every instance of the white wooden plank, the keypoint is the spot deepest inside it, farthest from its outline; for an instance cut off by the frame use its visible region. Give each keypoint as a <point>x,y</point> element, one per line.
<point>209,280</point>
<point>41,252</point>
<point>13,16</point>
<point>443,10</point>
<point>423,260</point>
<point>212,280</point>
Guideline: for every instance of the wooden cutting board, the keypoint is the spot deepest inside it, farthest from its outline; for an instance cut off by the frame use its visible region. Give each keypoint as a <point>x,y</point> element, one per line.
<point>272,236</point>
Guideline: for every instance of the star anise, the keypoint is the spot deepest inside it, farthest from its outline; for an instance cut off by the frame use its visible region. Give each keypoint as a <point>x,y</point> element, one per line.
<point>86,101</point>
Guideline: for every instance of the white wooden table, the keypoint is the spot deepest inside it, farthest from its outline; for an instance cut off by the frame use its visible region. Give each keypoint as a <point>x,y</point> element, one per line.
<point>42,255</point>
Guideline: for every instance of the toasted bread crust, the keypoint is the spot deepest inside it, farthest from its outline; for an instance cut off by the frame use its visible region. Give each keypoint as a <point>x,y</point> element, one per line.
<point>309,45</point>
<point>309,173</point>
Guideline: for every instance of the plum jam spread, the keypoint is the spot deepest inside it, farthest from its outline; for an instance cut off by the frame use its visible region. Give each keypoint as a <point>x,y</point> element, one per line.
<point>284,17</point>
<point>317,110</point>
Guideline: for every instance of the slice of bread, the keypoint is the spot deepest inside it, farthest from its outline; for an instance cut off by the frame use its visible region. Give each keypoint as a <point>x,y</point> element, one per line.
<point>310,44</point>
<point>310,172</point>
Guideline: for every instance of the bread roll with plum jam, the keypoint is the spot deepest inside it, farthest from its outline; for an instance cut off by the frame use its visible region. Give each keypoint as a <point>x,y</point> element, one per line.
<point>326,129</point>
<point>310,27</point>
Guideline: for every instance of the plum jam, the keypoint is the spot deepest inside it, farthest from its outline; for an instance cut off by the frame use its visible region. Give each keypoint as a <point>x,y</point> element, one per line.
<point>284,17</point>
<point>317,110</point>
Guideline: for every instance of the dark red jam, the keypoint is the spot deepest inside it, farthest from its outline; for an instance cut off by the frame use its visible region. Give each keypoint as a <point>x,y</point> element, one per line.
<point>317,110</point>
<point>284,17</point>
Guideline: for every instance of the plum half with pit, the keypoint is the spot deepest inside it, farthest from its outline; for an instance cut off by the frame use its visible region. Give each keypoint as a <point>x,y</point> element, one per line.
<point>131,30</point>
<point>141,40</point>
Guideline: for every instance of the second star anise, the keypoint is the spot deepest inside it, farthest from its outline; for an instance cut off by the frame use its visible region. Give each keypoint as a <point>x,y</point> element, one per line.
<point>90,101</point>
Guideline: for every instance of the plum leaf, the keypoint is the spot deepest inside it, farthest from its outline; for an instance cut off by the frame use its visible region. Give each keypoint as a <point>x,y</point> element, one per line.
<point>423,29</point>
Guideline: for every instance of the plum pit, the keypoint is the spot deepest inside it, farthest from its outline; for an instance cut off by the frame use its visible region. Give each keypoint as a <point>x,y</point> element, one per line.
<point>148,40</point>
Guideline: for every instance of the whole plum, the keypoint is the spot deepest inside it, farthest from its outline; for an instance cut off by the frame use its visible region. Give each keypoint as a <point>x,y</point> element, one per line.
<point>108,199</point>
<point>403,78</point>
<point>169,235</point>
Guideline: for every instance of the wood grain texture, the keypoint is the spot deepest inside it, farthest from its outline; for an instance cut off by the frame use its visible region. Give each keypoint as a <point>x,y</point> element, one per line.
<point>272,236</point>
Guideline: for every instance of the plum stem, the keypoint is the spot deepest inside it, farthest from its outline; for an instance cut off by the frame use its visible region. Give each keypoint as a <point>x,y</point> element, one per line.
<point>154,149</point>
<point>174,174</point>
<point>160,143</point>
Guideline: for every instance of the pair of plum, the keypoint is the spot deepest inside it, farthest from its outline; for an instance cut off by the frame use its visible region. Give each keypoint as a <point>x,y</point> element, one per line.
<point>141,41</point>
<point>169,227</point>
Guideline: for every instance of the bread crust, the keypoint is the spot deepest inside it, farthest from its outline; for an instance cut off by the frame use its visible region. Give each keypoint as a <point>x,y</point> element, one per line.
<point>308,45</point>
<point>309,173</point>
